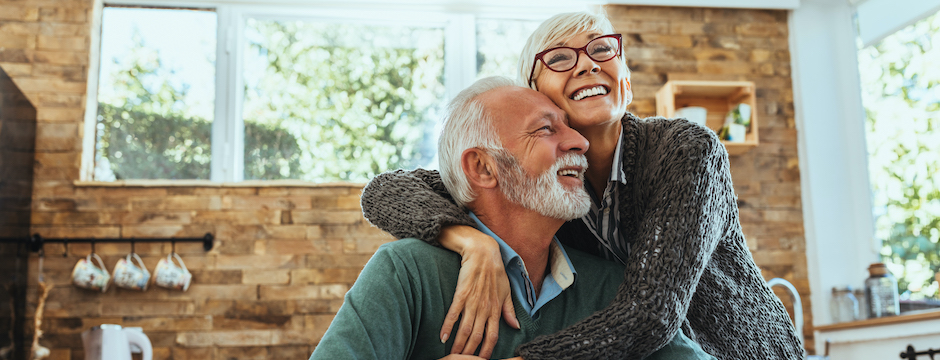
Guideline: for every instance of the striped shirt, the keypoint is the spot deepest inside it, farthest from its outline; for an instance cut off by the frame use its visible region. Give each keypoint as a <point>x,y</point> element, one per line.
<point>604,217</point>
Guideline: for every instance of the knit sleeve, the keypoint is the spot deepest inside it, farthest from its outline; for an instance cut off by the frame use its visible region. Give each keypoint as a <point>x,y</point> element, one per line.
<point>674,211</point>
<point>411,204</point>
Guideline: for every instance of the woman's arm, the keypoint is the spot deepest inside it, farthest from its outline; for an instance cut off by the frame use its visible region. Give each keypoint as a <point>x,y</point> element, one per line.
<point>416,204</point>
<point>411,204</point>
<point>674,212</point>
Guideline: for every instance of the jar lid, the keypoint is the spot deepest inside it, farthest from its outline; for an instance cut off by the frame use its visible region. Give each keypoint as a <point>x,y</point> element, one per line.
<point>841,289</point>
<point>877,269</point>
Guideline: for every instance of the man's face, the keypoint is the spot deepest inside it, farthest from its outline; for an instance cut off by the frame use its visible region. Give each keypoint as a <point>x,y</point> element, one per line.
<point>542,167</point>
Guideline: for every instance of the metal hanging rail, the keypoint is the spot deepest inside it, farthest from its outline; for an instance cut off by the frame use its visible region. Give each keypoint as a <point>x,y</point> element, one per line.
<point>36,242</point>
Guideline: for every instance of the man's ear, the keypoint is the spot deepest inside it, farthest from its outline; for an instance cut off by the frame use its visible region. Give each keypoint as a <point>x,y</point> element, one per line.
<point>479,167</point>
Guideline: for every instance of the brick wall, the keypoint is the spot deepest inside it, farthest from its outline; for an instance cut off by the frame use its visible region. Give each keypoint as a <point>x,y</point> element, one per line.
<point>284,255</point>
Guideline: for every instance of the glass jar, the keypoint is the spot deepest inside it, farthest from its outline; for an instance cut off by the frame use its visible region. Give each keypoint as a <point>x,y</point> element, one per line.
<point>862,304</point>
<point>881,292</point>
<point>844,305</point>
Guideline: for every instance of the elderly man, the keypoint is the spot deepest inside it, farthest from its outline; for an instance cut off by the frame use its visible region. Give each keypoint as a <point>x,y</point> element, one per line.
<point>508,156</point>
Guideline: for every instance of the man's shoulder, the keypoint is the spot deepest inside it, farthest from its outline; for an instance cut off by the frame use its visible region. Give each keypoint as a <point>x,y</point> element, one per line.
<point>415,252</point>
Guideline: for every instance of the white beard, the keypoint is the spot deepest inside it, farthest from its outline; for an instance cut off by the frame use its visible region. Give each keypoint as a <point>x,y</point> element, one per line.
<point>544,194</point>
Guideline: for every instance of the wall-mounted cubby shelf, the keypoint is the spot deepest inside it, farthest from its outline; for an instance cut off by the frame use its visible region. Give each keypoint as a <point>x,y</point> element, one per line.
<point>717,97</point>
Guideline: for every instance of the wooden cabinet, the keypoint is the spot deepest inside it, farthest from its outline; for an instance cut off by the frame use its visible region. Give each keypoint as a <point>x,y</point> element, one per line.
<point>717,97</point>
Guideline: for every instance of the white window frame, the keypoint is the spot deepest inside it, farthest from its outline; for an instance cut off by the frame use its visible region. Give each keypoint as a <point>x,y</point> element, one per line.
<point>228,135</point>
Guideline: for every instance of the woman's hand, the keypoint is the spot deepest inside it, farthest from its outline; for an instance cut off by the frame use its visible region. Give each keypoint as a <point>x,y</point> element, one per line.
<point>482,291</point>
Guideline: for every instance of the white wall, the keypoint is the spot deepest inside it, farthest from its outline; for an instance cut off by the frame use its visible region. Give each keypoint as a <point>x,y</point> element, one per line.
<point>833,158</point>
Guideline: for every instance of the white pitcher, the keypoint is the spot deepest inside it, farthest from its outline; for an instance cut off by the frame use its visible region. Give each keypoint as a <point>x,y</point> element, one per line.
<point>112,342</point>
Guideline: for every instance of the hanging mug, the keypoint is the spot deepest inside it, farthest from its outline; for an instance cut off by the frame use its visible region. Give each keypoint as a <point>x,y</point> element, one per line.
<point>170,275</point>
<point>90,276</point>
<point>131,275</point>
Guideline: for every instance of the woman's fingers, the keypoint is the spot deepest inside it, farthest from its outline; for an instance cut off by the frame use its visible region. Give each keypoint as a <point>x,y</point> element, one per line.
<point>453,314</point>
<point>509,313</point>
<point>476,334</point>
<point>492,334</point>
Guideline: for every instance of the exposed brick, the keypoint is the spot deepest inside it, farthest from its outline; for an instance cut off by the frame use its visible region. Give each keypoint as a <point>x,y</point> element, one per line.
<point>67,72</point>
<point>277,277</point>
<point>147,308</point>
<point>324,276</point>
<point>65,15</point>
<point>15,56</point>
<point>326,217</point>
<point>16,41</point>
<point>62,29</point>
<point>258,262</point>
<point>16,69</point>
<point>18,12</point>
<point>297,292</point>
<point>61,57</point>
<point>38,85</point>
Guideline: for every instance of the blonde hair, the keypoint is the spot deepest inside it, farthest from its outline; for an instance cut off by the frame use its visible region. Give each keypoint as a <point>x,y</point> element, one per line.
<point>555,30</point>
<point>467,124</point>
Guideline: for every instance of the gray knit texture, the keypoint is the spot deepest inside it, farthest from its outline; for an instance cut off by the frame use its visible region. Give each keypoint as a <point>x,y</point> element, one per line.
<point>689,264</point>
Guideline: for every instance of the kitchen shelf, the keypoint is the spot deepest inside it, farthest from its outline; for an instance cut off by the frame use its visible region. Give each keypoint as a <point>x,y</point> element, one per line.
<point>717,97</point>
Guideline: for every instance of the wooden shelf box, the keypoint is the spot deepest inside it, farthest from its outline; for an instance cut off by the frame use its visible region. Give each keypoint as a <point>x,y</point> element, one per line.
<point>717,97</point>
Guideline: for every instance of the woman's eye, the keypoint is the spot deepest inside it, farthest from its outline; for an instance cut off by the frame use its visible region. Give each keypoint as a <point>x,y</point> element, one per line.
<point>557,58</point>
<point>601,49</point>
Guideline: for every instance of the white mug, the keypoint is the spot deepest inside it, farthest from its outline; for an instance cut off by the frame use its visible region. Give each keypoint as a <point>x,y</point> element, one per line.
<point>129,275</point>
<point>169,275</point>
<point>90,276</point>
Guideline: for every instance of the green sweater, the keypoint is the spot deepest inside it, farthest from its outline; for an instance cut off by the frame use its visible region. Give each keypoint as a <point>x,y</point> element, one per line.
<point>397,305</point>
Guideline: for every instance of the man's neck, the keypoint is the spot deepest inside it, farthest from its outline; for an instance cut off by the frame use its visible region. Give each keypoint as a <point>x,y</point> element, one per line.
<point>527,232</point>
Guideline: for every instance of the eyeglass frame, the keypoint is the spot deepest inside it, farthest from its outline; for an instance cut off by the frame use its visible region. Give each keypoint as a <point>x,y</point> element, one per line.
<point>577,51</point>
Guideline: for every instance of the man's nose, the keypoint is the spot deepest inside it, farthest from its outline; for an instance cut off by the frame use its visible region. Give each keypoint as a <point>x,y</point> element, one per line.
<point>573,141</point>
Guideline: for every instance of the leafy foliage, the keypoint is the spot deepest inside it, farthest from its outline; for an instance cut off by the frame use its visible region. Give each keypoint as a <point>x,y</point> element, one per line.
<point>145,131</point>
<point>357,99</point>
<point>901,94</point>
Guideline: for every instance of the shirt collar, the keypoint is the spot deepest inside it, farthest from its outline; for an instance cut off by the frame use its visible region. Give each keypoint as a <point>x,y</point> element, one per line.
<point>616,169</point>
<point>561,269</point>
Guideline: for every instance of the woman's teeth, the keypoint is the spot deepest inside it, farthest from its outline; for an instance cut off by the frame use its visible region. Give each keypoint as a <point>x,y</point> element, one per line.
<point>597,90</point>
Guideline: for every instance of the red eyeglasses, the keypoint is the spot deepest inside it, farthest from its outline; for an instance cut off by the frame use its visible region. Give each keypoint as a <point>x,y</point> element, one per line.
<point>563,58</point>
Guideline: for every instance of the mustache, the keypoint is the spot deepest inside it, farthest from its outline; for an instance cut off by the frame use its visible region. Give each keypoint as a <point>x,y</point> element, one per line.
<point>571,160</point>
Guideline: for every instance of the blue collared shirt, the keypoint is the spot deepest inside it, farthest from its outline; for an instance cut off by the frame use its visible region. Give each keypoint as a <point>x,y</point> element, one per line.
<point>604,217</point>
<point>559,278</point>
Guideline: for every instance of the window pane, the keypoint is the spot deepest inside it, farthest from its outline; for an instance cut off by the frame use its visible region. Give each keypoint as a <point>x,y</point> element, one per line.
<point>901,95</point>
<point>156,94</point>
<point>339,101</point>
<point>499,42</point>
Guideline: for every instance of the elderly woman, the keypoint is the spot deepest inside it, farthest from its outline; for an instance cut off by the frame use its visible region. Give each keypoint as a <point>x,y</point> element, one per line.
<point>662,204</point>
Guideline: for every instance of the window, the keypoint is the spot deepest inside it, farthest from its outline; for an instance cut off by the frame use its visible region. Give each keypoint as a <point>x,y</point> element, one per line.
<point>156,94</point>
<point>901,96</point>
<point>240,92</point>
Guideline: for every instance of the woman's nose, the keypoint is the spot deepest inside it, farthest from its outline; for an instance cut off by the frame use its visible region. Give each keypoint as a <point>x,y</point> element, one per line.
<point>585,64</point>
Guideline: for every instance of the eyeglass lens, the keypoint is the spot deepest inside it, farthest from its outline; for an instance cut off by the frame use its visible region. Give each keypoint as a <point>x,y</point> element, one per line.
<point>563,59</point>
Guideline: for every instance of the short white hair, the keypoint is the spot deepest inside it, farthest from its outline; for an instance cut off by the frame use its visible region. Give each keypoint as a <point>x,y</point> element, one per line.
<point>558,29</point>
<point>467,124</point>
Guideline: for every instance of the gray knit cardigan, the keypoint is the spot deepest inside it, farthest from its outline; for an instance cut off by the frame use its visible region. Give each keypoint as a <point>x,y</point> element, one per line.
<point>689,264</point>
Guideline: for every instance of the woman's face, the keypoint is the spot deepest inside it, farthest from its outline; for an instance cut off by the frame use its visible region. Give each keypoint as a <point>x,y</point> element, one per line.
<point>609,77</point>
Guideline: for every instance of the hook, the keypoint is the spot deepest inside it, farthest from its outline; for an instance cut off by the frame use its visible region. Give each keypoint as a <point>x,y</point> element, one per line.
<point>133,250</point>
<point>173,244</point>
<point>92,246</point>
<point>66,244</point>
